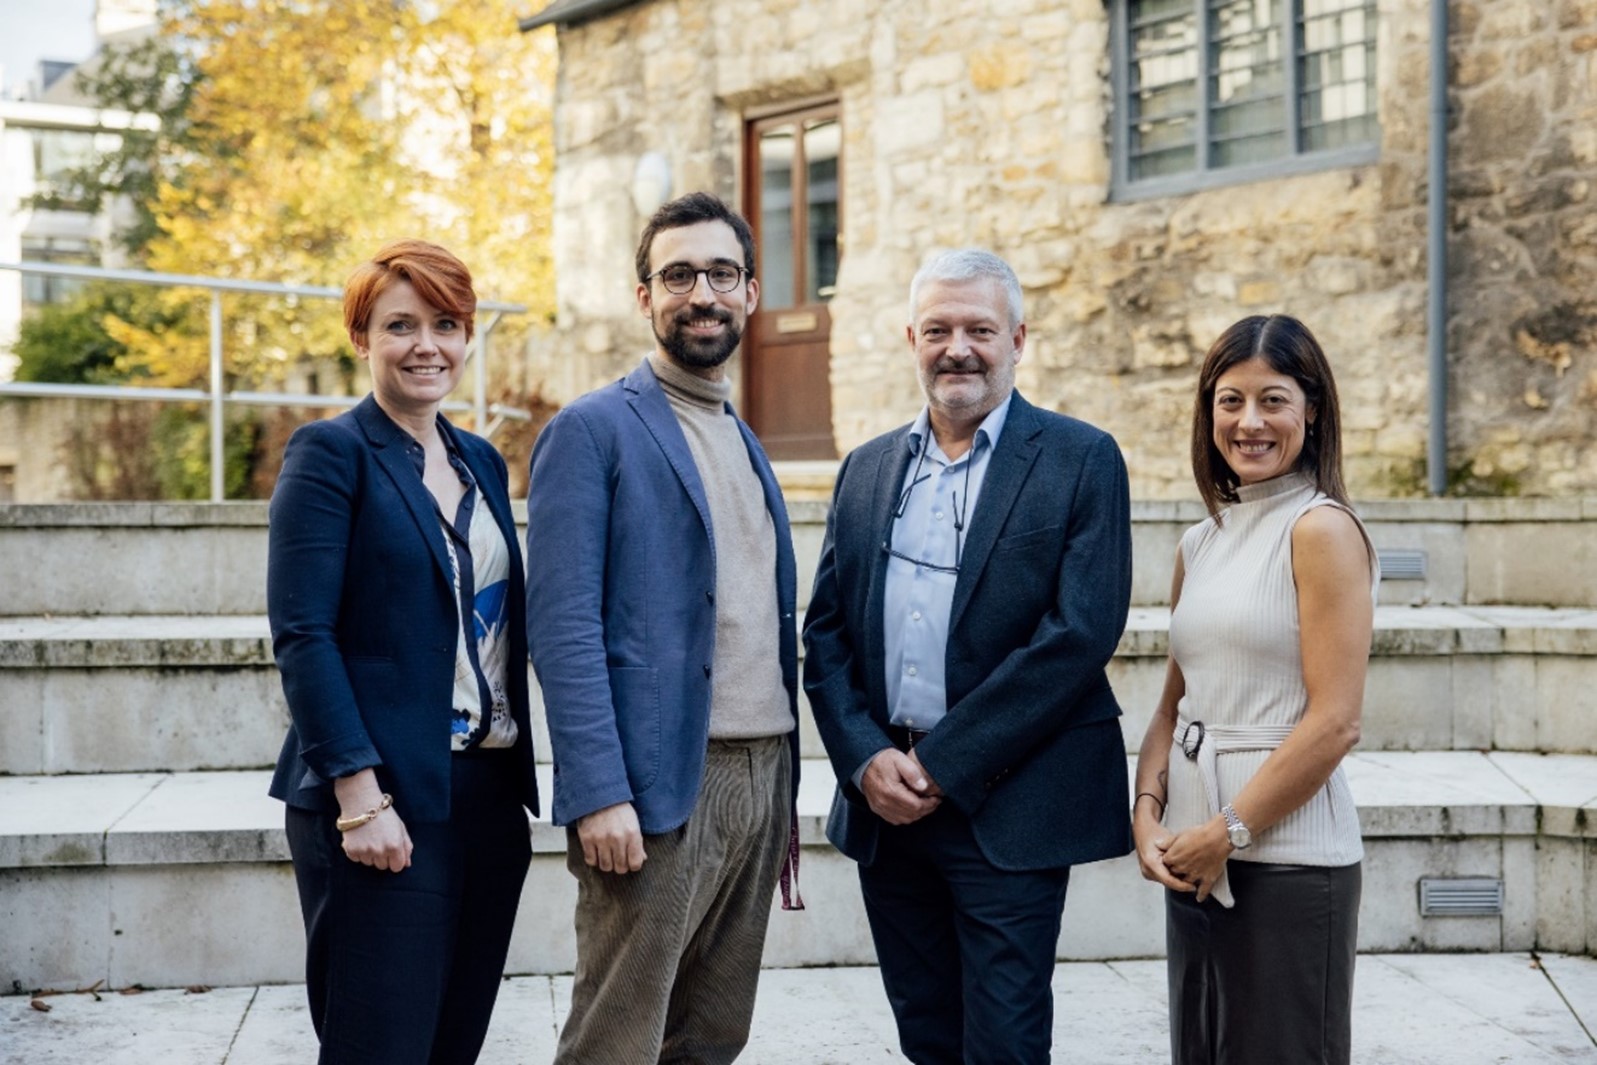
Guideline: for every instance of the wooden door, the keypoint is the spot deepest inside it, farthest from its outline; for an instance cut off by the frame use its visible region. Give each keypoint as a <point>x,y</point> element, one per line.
<point>792,197</point>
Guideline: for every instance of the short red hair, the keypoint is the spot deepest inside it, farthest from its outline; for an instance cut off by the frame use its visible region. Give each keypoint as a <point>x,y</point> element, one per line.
<point>437,276</point>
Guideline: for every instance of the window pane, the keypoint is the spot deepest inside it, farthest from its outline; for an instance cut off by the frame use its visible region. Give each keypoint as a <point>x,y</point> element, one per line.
<point>1230,18</point>
<point>1170,101</point>
<point>1360,130</point>
<point>1243,105</point>
<point>823,142</point>
<point>57,153</point>
<point>1247,82</point>
<point>43,288</point>
<point>1336,106</point>
<point>1161,122</point>
<point>1155,10</point>
<point>1258,116</point>
<point>1162,136</point>
<point>1344,64</point>
<point>1158,164</point>
<point>776,218</point>
<point>1248,150</point>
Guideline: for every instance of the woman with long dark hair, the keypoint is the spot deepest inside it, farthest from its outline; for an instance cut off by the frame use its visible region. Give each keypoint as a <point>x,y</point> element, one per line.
<point>1242,810</point>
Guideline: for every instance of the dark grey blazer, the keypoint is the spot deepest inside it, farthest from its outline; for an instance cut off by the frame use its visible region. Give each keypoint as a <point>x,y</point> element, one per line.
<point>1031,749</point>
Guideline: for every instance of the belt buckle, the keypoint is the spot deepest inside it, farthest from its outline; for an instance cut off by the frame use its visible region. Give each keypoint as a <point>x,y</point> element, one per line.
<point>1190,746</point>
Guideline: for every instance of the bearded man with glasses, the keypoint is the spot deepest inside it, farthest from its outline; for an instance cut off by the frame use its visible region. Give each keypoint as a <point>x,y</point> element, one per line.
<point>973,584</point>
<point>660,612</point>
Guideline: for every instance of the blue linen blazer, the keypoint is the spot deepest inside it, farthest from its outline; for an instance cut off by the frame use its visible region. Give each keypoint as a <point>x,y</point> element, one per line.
<point>1031,749</point>
<point>361,599</point>
<point>621,602</point>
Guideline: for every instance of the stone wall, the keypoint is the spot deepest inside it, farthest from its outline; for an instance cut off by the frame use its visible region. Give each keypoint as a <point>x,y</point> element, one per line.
<point>985,123</point>
<point>34,437</point>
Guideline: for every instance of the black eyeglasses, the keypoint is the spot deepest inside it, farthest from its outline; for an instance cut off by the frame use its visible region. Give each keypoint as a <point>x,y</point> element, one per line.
<point>959,517</point>
<point>679,278</point>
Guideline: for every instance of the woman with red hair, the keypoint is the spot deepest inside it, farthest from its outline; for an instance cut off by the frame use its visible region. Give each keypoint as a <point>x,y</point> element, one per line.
<point>394,589</point>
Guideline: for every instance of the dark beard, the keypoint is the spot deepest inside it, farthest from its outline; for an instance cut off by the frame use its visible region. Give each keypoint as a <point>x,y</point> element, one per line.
<point>700,354</point>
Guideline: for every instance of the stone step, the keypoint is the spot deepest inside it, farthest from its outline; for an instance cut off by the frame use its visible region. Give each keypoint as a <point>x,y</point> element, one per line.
<point>1440,678</point>
<point>1408,1009</point>
<point>202,692</point>
<point>210,558</point>
<point>168,879</point>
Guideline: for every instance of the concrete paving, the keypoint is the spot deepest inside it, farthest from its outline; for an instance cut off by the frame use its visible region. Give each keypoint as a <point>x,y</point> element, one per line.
<point>1411,1009</point>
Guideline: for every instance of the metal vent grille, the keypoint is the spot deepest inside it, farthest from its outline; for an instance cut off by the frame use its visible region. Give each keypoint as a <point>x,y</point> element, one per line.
<point>1461,897</point>
<point>1402,565</point>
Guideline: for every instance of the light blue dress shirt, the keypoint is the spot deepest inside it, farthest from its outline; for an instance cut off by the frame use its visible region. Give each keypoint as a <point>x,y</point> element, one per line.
<point>918,598</point>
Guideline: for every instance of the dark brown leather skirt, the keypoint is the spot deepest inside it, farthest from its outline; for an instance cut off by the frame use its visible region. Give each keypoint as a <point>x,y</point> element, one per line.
<point>1269,981</point>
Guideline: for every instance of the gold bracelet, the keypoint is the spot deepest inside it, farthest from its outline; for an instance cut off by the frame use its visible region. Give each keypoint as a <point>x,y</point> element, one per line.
<point>344,824</point>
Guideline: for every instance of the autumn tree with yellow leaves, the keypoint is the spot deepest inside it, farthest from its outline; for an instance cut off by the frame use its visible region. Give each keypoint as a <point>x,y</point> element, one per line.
<point>297,137</point>
<point>321,128</point>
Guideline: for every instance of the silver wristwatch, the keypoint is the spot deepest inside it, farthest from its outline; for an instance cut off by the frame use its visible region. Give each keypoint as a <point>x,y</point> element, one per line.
<point>1235,830</point>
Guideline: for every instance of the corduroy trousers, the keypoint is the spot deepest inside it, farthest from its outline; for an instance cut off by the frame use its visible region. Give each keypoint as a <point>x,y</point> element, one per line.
<point>668,957</point>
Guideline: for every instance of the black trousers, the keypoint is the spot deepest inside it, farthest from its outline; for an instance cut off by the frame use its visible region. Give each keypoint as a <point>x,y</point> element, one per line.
<point>404,967</point>
<point>966,949</point>
<point>1271,979</point>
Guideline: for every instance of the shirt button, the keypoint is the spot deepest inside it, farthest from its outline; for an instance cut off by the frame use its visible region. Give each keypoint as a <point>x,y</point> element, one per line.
<point>938,515</point>
<point>706,669</point>
<point>912,671</point>
<point>915,614</point>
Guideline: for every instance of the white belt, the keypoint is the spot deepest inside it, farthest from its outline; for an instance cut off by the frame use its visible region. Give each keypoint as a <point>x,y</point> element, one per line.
<point>1204,744</point>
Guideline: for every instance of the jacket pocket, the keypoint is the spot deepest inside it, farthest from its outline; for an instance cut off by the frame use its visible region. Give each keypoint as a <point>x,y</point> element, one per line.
<point>1030,540</point>
<point>635,693</point>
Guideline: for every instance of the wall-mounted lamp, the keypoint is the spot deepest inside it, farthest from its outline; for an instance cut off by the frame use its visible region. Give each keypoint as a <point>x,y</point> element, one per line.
<point>651,182</point>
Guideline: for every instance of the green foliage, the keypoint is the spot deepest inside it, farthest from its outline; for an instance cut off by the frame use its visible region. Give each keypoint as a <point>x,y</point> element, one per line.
<point>294,138</point>
<point>66,343</point>
<point>180,442</point>
<point>80,341</point>
<point>1462,480</point>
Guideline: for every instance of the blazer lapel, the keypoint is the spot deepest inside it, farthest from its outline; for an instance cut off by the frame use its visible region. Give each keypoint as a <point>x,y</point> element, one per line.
<point>891,465</point>
<point>388,447</point>
<point>649,401</point>
<point>1006,474</point>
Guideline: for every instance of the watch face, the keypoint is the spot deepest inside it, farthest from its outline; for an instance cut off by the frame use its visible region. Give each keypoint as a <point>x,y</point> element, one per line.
<point>1240,836</point>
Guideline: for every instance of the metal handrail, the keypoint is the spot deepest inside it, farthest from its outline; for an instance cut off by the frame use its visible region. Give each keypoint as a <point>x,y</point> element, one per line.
<point>215,395</point>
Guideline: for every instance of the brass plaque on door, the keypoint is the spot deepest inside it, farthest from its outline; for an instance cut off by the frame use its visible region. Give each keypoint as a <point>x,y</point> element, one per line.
<point>802,322</point>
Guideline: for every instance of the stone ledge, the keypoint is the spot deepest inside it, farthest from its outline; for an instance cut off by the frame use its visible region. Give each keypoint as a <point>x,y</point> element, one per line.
<point>810,503</point>
<point>119,641</point>
<point>229,641</point>
<point>132,515</point>
<point>143,819</point>
<point>1426,631</point>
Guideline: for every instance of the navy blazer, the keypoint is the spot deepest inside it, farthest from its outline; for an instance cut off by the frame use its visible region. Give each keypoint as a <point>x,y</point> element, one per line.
<point>365,621</point>
<point>621,602</point>
<point>1031,749</point>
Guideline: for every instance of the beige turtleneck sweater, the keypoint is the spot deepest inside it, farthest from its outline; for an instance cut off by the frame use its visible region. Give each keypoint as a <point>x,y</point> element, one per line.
<point>747,696</point>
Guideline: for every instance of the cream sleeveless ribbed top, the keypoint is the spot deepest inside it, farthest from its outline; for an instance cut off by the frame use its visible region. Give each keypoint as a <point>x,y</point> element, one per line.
<point>1235,637</point>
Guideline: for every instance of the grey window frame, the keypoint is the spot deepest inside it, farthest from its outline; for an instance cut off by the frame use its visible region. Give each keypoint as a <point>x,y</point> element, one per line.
<point>1296,161</point>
